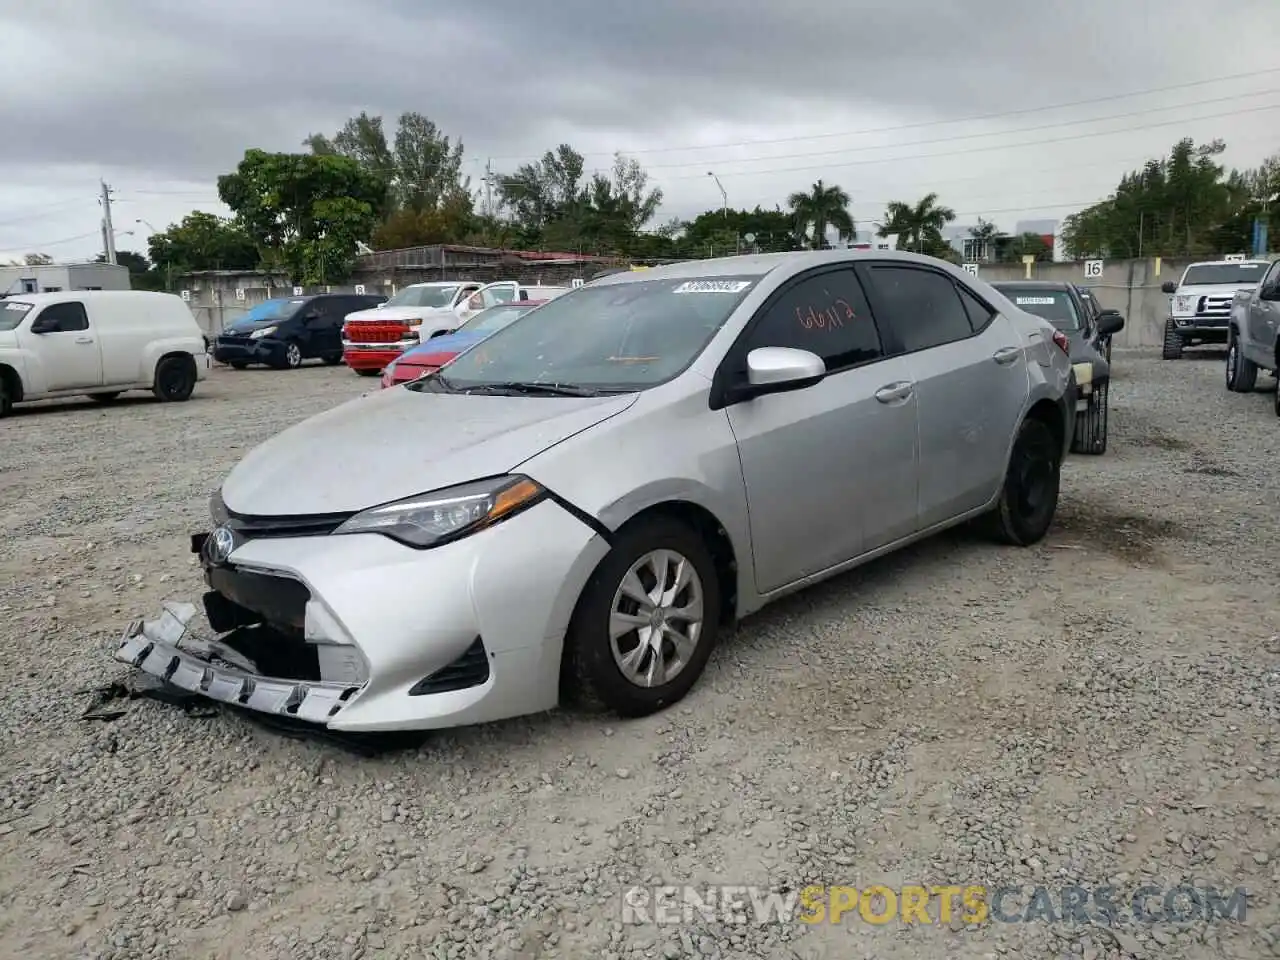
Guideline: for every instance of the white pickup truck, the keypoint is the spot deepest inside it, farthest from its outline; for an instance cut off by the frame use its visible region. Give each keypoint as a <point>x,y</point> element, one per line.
<point>98,343</point>
<point>1253,337</point>
<point>1200,304</point>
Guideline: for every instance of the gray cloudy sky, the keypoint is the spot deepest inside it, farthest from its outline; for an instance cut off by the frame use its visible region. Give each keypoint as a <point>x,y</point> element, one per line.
<point>879,96</point>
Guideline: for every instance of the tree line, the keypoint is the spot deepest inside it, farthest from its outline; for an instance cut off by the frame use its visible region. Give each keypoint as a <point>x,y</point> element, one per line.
<point>305,215</point>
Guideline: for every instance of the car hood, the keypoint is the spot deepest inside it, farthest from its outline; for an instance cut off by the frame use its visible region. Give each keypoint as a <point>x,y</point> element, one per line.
<point>392,314</point>
<point>248,326</point>
<point>390,444</point>
<point>1215,289</point>
<point>449,343</point>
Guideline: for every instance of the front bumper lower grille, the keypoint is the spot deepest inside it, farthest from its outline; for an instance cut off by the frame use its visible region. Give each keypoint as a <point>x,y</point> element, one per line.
<point>469,670</point>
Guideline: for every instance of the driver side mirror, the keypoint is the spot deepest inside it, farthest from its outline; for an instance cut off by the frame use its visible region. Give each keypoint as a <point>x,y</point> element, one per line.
<point>1110,322</point>
<point>779,370</point>
<point>1168,287</point>
<point>1269,291</point>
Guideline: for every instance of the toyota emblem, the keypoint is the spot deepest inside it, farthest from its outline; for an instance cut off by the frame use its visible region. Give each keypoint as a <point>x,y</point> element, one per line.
<point>221,542</point>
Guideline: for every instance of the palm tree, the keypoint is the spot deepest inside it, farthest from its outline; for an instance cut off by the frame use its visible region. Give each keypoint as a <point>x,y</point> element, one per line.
<point>822,207</point>
<point>918,227</point>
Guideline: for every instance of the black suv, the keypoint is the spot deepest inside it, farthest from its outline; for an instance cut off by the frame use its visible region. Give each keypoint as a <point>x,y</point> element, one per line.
<point>282,333</point>
<point>1089,330</point>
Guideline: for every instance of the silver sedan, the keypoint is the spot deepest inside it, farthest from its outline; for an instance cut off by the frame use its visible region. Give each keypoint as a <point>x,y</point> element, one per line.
<point>577,506</point>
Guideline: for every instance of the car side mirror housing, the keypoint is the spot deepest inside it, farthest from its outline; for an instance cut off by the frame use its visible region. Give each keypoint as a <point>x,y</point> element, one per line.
<point>1110,322</point>
<point>1169,287</point>
<point>779,370</point>
<point>1270,292</point>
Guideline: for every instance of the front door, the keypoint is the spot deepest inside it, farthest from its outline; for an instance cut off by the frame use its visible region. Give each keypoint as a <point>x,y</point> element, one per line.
<point>69,352</point>
<point>830,471</point>
<point>969,365</point>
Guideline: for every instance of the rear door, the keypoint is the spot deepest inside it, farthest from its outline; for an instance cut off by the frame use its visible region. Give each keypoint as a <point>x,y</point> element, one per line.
<point>1264,320</point>
<point>68,349</point>
<point>969,367</point>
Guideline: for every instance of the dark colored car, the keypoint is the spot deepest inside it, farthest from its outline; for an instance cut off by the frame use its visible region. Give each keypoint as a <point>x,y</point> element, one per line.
<point>1088,329</point>
<point>284,332</point>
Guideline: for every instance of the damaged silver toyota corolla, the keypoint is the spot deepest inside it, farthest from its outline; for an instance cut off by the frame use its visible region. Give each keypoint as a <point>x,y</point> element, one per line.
<point>578,504</point>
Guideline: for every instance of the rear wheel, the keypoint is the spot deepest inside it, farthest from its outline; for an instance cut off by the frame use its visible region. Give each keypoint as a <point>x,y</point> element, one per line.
<point>646,622</point>
<point>175,379</point>
<point>1091,423</point>
<point>1172,349</point>
<point>368,373</point>
<point>1029,497</point>
<point>1242,373</point>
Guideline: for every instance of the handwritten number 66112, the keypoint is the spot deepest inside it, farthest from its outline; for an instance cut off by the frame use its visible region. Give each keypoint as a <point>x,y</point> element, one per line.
<point>828,318</point>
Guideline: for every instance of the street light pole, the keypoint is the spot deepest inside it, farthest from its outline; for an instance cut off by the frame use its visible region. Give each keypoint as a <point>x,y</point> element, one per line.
<point>724,197</point>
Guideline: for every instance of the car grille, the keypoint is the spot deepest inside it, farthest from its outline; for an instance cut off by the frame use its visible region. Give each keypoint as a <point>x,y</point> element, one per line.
<point>1214,307</point>
<point>303,525</point>
<point>279,601</point>
<point>231,341</point>
<point>376,332</point>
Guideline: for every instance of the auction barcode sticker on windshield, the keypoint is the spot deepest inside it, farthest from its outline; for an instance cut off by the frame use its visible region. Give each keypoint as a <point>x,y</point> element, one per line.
<point>712,286</point>
<point>1034,300</point>
<point>15,305</point>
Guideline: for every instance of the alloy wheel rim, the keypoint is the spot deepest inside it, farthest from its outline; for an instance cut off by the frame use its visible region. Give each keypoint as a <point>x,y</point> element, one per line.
<point>1231,363</point>
<point>655,622</point>
<point>294,354</point>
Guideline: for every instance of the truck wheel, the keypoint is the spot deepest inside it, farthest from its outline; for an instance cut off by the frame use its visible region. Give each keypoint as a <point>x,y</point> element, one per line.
<point>1172,349</point>
<point>175,379</point>
<point>1242,373</point>
<point>1091,424</point>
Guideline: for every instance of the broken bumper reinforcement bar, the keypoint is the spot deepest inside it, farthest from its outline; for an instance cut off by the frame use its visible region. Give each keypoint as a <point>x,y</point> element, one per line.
<point>208,668</point>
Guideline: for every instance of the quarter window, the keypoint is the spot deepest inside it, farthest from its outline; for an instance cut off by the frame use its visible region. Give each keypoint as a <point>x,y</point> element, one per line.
<point>979,313</point>
<point>922,305</point>
<point>68,316</point>
<point>826,314</point>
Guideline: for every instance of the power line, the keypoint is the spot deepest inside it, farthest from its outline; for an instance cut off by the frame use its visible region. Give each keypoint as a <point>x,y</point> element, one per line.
<point>40,211</point>
<point>987,149</point>
<point>931,123</point>
<point>52,243</point>
<point>968,136</point>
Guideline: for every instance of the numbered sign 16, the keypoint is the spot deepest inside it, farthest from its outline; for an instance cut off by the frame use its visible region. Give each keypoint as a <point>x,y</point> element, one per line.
<point>1093,269</point>
<point>360,289</point>
<point>971,268</point>
<point>239,293</point>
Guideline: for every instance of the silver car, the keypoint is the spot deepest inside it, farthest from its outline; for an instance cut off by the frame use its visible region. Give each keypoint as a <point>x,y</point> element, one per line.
<point>576,507</point>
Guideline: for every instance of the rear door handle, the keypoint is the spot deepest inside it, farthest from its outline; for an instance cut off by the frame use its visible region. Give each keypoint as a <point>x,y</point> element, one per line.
<point>84,339</point>
<point>893,392</point>
<point>1006,355</point>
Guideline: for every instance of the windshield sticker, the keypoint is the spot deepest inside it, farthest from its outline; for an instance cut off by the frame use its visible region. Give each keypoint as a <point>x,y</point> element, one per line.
<point>15,305</point>
<point>1025,301</point>
<point>712,286</point>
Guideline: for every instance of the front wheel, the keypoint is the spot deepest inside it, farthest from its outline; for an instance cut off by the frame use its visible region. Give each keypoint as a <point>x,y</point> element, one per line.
<point>1242,373</point>
<point>292,355</point>
<point>1091,424</point>
<point>175,379</point>
<point>1172,348</point>
<point>368,373</point>
<point>1029,497</point>
<point>646,622</point>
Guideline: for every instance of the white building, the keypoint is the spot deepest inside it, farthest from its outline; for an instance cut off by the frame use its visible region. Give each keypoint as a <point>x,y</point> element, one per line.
<point>52,277</point>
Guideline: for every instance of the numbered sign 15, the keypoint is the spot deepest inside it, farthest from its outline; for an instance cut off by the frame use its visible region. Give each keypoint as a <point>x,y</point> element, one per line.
<point>971,268</point>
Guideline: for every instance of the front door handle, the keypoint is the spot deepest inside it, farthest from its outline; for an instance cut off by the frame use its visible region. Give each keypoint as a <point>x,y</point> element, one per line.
<point>84,339</point>
<point>1006,355</point>
<point>893,392</point>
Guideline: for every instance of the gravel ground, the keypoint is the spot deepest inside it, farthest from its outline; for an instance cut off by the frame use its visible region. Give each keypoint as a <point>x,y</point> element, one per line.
<point>1099,709</point>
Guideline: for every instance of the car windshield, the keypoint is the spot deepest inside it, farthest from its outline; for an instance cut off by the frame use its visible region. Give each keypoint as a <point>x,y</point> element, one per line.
<point>1056,306</point>
<point>423,297</point>
<point>12,312</point>
<point>1247,271</point>
<point>495,318</point>
<point>270,310</point>
<point>614,338</point>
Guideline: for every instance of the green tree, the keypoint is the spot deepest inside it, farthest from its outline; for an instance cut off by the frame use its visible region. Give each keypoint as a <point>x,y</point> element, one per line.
<point>822,207</point>
<point>541,193</point>
<point>988,236</point>
<point>718,231</point>
<point>142,276</point>
<point>37,259</point>
<point>1013,249</point>
<point>201,241</point>
<point>308,210</point>
<point>919,226</point>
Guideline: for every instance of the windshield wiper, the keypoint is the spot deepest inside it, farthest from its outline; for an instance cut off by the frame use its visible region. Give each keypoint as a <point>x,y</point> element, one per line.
<point>532,388</point>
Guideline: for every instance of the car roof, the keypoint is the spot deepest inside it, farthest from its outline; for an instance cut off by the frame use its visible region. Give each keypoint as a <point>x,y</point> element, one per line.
<point>1222,263</point>
<point>38,299</point>
<point>762,264</point>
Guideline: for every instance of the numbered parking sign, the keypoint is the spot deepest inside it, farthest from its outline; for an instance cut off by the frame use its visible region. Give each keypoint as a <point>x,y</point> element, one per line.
<point>971,268</point>
<point>577,283</point>
<point>360,289</point>
<point>186,295</point>
<point>297,291</point>
<point>239,293</point>
<point>1093,269</point>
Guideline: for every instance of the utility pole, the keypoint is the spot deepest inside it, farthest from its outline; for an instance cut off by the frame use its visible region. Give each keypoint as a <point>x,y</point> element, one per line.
<point>108,231</point>
<point>488,187</point>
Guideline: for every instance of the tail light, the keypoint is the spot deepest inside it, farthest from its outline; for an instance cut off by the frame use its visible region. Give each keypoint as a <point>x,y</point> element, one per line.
<point>1063,343</point>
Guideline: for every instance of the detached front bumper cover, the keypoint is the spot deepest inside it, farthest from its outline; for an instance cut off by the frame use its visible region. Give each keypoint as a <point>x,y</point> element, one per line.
<point>165,648</point>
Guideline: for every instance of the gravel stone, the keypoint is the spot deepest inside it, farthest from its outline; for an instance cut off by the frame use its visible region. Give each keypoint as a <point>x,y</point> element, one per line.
<point>1102,707</point>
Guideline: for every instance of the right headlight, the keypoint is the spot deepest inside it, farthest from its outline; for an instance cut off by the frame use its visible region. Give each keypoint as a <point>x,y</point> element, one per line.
<point>432,519</point>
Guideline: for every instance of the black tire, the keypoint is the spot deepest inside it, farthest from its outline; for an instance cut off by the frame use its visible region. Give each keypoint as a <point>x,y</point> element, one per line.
<point>1172,349</point>
<point>1029,497</point>
<point>104,397</point>
<point>1108,352</point>
<point>6,398</point>
<point>1091,424</point>
<point>332,359</point>
<point>238,365</point>
<point>175,379</point>
<point>591,675</point>
<point>369,373</point>
<point>1242,373</point>
<point>1277,399</point>
<point>292,355</point>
